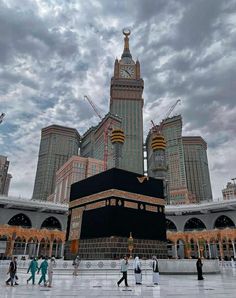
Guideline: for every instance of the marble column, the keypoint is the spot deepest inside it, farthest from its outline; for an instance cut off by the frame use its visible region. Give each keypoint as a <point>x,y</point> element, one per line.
<point>56,250</point>
<point>221,250</point>
<point>209,249</point>
<point>26,243</point>
<point>50,248</point>
<point>198,250</point>
<point>233,244</point>
<point>10,247</point>
<point>37,251</point>
<point>227,248</point>
<point>176,251</point>
<point>62,250</point>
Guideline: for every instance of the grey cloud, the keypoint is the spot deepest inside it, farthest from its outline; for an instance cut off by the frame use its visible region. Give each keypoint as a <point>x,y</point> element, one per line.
<point>198,23</point>
<point>14,78</point>
<point>24,32</point>
<point>50,59</point>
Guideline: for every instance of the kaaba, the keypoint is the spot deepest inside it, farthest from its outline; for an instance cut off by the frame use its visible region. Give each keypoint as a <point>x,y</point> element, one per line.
<point>114,213</point>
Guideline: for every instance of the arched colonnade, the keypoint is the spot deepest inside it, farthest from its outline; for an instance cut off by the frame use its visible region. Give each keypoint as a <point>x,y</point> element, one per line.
<point>209,244</point>
<point>17,240</point>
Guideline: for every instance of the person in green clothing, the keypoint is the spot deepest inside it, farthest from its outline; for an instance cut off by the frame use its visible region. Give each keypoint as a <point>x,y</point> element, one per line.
<point>33,267</point>
<point>44,268</point>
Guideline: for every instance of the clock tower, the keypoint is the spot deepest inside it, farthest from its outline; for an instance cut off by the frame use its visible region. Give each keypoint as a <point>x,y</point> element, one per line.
<point>126,101</point>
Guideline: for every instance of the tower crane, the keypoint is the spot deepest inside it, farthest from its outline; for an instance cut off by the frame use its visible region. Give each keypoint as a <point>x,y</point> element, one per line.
<point>93,106</point>
<point>106,130</point>
<point>158,146</point>
<point>158,129</point>
<point>1,117</point>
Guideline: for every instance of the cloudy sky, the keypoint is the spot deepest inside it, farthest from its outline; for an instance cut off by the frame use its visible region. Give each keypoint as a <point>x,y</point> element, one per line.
<point>53,52</point>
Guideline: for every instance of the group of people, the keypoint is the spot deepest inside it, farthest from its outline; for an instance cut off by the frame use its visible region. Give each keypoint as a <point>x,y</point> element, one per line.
<point>45,267</point>
<point>138,271</point>
<point>155,270</point>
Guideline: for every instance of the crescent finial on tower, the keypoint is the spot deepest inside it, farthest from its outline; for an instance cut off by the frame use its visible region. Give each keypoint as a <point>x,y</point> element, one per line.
<point>126,52</point>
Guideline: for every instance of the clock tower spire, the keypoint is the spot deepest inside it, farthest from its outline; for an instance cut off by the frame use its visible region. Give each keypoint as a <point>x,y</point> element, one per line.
<point>126,101</point>
<point>126,52</point>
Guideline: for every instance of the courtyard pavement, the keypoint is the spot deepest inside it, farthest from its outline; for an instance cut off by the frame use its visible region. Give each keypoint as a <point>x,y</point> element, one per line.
<point>104,285</point>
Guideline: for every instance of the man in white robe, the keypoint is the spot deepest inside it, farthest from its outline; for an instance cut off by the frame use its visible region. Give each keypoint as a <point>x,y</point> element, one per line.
<point>137,271</point>
<point>155,270</point>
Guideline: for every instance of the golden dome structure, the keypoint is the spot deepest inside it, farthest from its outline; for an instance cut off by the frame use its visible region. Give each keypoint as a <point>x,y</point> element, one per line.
<point>117,136</point>
<point>158,142</point>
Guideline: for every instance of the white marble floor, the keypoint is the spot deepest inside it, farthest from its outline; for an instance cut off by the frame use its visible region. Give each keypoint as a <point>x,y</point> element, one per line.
<point>175,286</point>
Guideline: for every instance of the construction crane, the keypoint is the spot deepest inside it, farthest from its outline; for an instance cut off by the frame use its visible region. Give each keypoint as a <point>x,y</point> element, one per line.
<point>1,117</point>
<point>172,108</point>
<point>106,130</point>
<point>158,129</point>
<point>158,146</point>
<point>93,106</point>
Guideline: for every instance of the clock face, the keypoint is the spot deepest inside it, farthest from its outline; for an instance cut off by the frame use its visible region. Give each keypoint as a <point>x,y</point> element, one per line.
<point>127,72</point>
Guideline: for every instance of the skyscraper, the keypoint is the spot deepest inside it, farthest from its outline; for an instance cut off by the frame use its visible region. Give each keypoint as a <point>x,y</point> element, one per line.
<point>188,175</point>
<point>97,139</point>
<point>196,167</point>
<point>126,101</point>
<point>172,131</point>
<point>58,144</point>
<point>4,176</point>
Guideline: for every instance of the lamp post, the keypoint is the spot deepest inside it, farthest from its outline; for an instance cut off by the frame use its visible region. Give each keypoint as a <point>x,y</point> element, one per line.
<point>130,244</point>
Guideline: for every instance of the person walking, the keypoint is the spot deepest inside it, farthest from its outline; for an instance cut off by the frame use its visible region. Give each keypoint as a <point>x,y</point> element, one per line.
<point>137,271</point>
<point>124,269</point>
<point>199,269</point>
<point>76,265</point>
<point>155,270</point>
<point>33,267</point>
<point>12,271</point>
<point>50,271</point>
<point>43,267</point>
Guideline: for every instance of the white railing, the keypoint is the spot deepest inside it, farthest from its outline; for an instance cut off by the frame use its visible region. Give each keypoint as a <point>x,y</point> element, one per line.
<point>227,264</point>
<point>166,266</point>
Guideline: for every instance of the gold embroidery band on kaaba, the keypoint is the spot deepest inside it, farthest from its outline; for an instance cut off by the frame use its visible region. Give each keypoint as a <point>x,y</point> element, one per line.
<point>119,194</point>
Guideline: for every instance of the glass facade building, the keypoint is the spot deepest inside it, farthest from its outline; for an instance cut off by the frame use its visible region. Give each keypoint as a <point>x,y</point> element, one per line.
<point>196,167</point>
<point>188,175</point>
<point>58,144</point>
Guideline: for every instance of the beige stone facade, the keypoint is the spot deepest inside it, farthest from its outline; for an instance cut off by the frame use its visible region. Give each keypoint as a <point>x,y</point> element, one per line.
<point>75,169</point>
